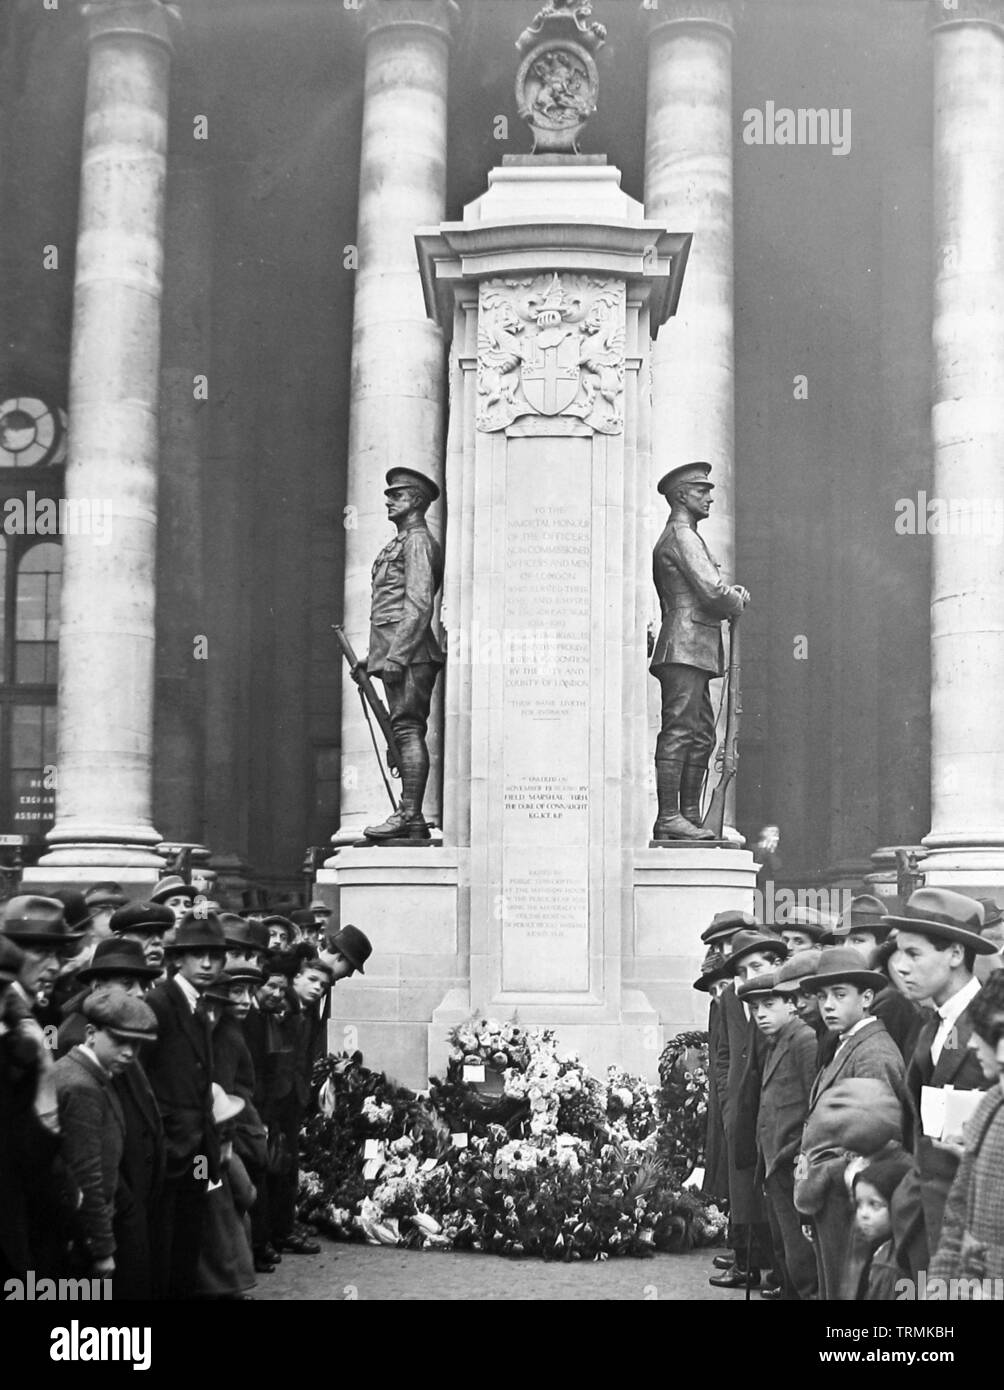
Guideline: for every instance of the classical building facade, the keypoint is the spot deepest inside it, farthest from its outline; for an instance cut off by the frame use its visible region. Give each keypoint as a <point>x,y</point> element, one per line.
<point>216,342</point>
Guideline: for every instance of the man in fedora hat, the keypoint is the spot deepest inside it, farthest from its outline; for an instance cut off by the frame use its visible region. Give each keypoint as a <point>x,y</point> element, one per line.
<point>37,925</point>
<point>738,1066</point>
<point>180,1068</point>
<point>688,652</point>
<point>102,899</point>
<point>247,941</point>
<point>938,938</point>
<point>803,927</point>
<point>321,911</point>
<point>114,965</point>
<point>93,1126</point>
<point>403,649</point>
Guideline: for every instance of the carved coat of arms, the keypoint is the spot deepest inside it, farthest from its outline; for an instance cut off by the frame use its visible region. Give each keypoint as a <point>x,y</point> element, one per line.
<point>553,345</point>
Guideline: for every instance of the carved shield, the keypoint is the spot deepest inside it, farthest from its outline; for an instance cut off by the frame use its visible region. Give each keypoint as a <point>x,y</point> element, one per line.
<point>550,376</point>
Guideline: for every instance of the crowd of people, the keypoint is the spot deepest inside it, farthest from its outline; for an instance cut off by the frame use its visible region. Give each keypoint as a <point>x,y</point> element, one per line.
<point>155,1067</point>
<point>856,1101</point>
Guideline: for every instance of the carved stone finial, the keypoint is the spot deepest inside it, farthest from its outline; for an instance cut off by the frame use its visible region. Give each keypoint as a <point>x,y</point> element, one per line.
<point>557,82</point>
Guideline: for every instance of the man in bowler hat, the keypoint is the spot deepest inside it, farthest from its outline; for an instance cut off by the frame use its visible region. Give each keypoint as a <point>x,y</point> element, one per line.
<point>688,651</point>
<point>403,650</point>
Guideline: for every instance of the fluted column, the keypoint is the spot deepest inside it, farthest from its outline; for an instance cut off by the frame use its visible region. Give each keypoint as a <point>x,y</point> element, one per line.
<point>398,365</point>
<point>966,842</point>
<point>689,186</point>
<point>103,800</point>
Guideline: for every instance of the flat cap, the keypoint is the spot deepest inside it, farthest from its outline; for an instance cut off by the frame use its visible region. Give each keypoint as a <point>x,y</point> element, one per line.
<point>150,918</point>
<point>121,1014</point>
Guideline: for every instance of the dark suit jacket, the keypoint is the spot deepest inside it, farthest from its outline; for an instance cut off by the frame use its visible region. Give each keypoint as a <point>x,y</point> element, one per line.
<point>716,1165</point>
<point>788,1073</point>
<point>870,1052</point>
<point>738,1063</point>
<point>93,1139</point>
<point>920,1199</point>
<point>902,1018</point>
<point>179,1066</point>
<point>29,1158</point>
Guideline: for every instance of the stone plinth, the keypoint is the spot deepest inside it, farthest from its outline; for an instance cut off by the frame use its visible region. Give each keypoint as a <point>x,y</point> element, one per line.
<point>676,894</point>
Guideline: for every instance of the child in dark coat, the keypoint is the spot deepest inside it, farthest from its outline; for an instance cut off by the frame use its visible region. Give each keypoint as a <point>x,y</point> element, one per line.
<point>872,1191</point>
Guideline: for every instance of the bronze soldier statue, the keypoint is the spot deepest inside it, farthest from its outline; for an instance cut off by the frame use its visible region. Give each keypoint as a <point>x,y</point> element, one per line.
<point>403,650</point>
<point>688,652</point>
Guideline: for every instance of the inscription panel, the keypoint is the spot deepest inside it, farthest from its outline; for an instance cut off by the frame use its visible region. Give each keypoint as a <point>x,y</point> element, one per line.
<point>546,717</point>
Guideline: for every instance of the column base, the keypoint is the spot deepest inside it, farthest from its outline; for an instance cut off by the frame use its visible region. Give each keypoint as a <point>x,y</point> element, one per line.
<point>977,870</point>
<point>136,882</point>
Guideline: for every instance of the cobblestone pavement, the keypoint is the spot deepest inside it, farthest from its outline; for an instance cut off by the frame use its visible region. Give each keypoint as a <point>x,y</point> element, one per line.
<point>344,1271</point>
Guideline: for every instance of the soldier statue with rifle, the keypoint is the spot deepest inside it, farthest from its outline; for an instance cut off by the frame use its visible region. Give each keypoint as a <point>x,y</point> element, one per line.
<point>403,650</point>
<point>687,656</point>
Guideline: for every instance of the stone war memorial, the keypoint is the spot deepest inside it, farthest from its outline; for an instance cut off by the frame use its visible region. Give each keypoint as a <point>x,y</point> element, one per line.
<point>546,896</point>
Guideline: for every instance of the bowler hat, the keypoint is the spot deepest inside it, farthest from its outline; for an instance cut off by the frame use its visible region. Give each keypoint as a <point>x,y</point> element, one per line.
<point>759,987</point>
<point>31,921</point>
<point>791,972</point>
<point>866,913</point>
<point>805,919</point>
<point>843,965</point>
<point>303,917</point>
<point>121,1014</point>
<point>726,924</point>
<point>11,961</point>
<point>173,886</point>
<point>686,473</point>
<point>941,915</point>
<point>354,946</point>
<point>152,919</point>
<point>75,909</point>
<point>410,477</point>
<point>714,966</point>
<point>319,905</point>
<point>244,934</point>
<point>113,956</point>
<point>747,943</point>
<point>105,895</point>
<point>198,933</point>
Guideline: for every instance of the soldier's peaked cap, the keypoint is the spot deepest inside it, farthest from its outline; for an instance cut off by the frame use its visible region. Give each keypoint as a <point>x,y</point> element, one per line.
<point>686,473</point>
<point>410,477</point>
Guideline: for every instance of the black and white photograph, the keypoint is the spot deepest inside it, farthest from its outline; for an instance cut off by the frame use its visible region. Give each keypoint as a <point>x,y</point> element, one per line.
<point>501,653</point>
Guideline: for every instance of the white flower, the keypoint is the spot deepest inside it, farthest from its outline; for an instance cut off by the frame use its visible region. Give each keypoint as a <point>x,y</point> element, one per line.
<point>625,1097</point>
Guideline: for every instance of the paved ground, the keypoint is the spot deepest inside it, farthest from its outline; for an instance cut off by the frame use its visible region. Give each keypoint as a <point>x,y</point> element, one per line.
<point>344,1271</point>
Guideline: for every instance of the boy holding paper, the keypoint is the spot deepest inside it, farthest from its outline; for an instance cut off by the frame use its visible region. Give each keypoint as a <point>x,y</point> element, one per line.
<point>937,941</point>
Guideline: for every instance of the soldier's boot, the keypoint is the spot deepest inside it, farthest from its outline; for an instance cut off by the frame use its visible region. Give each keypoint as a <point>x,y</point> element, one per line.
<point>691,788</point>
<point>407,822</point>
<point>670,823</point>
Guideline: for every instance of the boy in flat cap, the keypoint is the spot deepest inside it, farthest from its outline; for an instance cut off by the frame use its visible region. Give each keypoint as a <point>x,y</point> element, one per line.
<point>93,1126</point>
<point>938,938</point>
<point>403,650</point>
<point>688,652</point>
<point>789,1070</point>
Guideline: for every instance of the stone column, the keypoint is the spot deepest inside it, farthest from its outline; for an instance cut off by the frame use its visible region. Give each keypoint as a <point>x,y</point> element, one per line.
<point>103,802</point>
<point>398,361</point>
<point>966,843</point>
<point>688,183</point>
